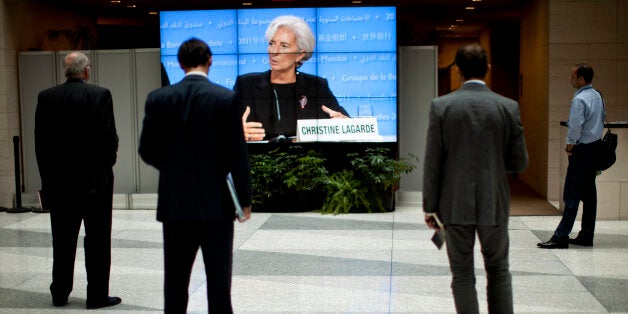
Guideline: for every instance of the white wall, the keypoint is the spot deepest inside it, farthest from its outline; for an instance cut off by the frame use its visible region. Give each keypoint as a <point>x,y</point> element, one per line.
<point>418,85</point>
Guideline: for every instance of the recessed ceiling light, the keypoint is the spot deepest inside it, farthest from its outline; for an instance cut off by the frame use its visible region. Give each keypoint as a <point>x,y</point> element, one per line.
<point>459,20</point>
<point>356,1</point>
<point>476,0</point>
<point>153,13</point>
<point>247,3</point>
<point>115,1</point>
<point>469,8</point>
<point>131,6</point>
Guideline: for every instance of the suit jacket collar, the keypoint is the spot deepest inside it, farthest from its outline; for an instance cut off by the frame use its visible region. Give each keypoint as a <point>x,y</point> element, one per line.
<point>474,86</point>
<point>75,80</point>
<point>195,72</point>
<point>195,77</point>
<point>263,82</point>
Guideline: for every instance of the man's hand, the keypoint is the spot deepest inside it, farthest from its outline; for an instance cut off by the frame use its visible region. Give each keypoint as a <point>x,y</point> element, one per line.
<point>253,131</point>
<point>568,149</point>
<point>247,214</point>
<point>431,222</point>
<point>334,114</point>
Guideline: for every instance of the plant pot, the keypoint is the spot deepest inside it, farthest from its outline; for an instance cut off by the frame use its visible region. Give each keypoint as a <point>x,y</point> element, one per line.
<point>388,200</point>
<point>301,201</point>
<point>309,200</point>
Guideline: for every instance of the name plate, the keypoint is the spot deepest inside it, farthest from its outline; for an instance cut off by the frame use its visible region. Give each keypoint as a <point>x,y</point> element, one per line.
<point>338,130</point>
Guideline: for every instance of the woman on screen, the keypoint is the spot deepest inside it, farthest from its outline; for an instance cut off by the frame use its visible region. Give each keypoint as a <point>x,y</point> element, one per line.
<point>274,100</point>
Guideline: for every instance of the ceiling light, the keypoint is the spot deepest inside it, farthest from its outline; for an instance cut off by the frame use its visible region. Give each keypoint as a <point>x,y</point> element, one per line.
<point>115,1</point>
<point>247,3</point>
<point>469,8</point>
<point>459,20</point>
<point>131,6</point>
<point>476,0</point>
<point>153,13</point>
<point>356,1</point>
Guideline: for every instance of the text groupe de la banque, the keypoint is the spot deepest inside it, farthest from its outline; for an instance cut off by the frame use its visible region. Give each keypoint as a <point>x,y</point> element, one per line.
<point>335,129</point>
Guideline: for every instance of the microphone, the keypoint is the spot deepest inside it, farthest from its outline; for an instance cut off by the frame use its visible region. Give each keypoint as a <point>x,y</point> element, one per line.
<point>279,139</point>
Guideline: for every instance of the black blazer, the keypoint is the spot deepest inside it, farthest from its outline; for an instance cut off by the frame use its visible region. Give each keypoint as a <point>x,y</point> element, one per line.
<point>312,92</point>
<point>75,138</point>
<point>192,133</point>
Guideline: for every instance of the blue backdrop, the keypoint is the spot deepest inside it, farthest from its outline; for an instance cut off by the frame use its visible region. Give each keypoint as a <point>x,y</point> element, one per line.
<point>356,51</point>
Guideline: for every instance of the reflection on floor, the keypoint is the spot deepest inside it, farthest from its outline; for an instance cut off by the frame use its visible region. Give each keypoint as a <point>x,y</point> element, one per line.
<point>313,263</point>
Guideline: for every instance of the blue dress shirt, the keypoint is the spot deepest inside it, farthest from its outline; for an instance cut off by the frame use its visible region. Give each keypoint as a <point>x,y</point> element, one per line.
<point>586,117</point>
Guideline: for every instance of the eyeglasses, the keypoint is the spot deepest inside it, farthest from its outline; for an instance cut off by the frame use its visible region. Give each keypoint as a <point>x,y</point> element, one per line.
<point>274,47</point>
<point>89,65</point>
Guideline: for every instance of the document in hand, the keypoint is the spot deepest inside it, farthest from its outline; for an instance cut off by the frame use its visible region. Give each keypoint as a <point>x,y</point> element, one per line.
<point>234,196</point>
<point>439,235</point>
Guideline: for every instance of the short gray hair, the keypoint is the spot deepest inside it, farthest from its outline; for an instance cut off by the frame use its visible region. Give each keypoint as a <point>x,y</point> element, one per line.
<point>302,32</point>
<point>74,64</point>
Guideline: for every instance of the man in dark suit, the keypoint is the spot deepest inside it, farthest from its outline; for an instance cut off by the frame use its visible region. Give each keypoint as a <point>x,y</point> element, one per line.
<point>193,135</point>
<point>474,139</point>
<point>76,146</point>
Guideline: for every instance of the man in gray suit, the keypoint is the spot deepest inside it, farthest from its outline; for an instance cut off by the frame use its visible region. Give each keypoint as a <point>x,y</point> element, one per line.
<point>474,139</point>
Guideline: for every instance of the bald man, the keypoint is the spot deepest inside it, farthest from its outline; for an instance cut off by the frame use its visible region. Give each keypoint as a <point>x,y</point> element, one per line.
<point>76,146</point>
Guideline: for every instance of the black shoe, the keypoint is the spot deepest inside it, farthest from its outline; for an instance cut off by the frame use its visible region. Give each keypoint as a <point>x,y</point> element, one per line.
<point>554,243</point>
<point>108,301</point>
<point>581,242</point>
<point>59,302</point>
<point>58,299</point>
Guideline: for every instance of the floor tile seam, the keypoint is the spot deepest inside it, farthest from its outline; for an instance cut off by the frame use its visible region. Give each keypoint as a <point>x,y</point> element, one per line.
<point>28,228</point>
<point>243,240</point>
<point>199,286</point>
<point>308,286</point>
<point>575,276</point>
<point>22,247</point>
<point>35,274</point>
<point>591,293</point>
<point>606,276</point>
<point>527,222</point>
<point>316,230</point>
<point>391,269</point>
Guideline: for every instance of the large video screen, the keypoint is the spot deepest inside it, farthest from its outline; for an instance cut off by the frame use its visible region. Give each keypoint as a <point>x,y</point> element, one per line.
<point>355,51</point>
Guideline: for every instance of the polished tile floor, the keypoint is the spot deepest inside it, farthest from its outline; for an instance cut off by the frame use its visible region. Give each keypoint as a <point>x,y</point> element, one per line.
<point>313,263</point>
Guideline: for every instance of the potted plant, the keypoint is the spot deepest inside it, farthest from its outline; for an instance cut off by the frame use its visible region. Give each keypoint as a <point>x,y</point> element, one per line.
<point>306,178</point>
<point>267,176</point>
<point>370,183</point>
<point>345,194</point>
<point>381,172</point>
<point>287,179</point>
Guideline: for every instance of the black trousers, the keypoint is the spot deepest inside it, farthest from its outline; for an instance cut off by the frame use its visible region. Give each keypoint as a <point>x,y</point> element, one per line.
<point>580,187</point>
<point>67,212</point>
<point>181,243</point>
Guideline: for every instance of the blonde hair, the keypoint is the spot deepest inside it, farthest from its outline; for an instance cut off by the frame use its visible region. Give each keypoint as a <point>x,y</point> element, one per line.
<point>305,38</point>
